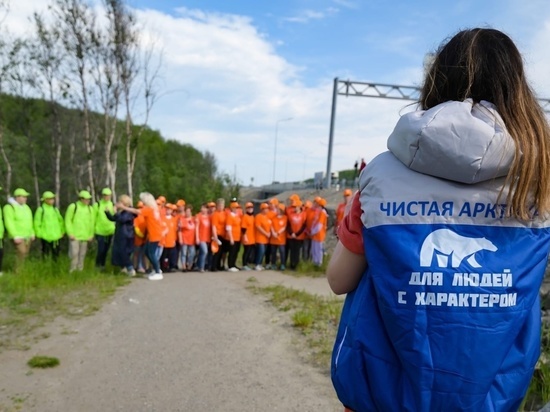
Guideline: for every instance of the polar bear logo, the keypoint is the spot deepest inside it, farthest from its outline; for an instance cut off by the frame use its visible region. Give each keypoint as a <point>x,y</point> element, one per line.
<point>445,244</point>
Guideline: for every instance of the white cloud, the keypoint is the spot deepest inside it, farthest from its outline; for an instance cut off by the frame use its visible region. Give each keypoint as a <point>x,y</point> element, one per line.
<point>347,4</point>
<point>225,86</point>
<point>305,16</point>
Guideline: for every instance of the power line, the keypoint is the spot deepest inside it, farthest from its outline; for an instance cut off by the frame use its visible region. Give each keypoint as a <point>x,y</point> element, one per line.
<point>378,90</point>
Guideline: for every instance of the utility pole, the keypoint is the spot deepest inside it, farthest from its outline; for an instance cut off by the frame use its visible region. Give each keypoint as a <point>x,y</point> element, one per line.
<point>384,91</point>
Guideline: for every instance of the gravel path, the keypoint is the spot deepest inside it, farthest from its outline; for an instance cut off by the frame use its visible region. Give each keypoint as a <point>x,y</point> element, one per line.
<point>192,342</point>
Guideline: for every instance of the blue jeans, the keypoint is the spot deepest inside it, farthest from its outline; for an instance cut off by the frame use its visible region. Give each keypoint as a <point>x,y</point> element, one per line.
<point>260,251</point>
<point>139,254</point>
<point>274,250</point>
<point>203,251</point>
<point>151,251</point>
<point>187,256</point>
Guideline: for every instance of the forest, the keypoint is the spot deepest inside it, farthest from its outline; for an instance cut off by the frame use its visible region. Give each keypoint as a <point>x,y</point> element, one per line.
<point>75,98</point>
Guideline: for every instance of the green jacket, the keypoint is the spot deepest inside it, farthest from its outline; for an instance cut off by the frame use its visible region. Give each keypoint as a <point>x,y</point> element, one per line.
<point>48,223</point>
<point>1,227</point>
<point>18,221</point>
<point>103,226</point>
<point>80,221</point>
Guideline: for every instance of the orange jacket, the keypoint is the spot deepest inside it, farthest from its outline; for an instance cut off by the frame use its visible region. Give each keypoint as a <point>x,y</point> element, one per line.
<point>318,230</point>
<point>204,227</point>
<point>310,215</point>
<point>278,230</point>
<point>297,225</point>
<point>233,226</point>
<point>218,222</point>
<point>247,224</point>
<point>155,225</point>
<point>187,232</point>
<point>262,221</point>
<point>140,229</point>
<point>172,232</point>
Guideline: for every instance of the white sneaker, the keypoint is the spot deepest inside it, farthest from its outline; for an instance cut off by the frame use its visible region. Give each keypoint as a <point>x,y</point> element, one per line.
<point>132,273</point>
<point>259,267</point>
<point>233,269</point>
<point>156,276</point>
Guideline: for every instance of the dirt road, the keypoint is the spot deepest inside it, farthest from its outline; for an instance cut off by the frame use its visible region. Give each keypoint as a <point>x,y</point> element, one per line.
<point>192,342</point>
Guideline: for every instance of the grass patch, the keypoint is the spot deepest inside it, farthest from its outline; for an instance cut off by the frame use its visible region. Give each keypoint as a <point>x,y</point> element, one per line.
<point>39,291</point>
<point>315,317</point>
<point>306,268</point>
<point>538,393</point>
<point>43,362</point>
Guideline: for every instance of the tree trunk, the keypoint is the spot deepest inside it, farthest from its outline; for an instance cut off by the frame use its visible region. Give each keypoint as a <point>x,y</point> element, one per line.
<point>7,188</point>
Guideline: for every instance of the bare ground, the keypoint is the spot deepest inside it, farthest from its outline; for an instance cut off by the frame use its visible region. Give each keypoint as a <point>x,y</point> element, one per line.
<point>192,342</point>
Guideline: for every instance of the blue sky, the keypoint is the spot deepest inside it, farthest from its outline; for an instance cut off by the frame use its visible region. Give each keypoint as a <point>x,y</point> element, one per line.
<point>233,69</point>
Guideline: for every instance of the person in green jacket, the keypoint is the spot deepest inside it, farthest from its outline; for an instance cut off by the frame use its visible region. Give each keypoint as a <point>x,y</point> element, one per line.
<point>48,225</point>
<point>1,240</point>
<point>79,225</point>
<point>18,223</point>
<point>104,228</point>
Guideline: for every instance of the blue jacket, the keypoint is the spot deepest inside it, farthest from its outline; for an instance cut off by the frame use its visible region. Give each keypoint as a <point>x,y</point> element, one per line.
<point>447,315</point>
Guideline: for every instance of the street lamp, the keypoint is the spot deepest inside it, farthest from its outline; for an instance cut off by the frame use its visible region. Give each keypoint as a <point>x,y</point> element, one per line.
<point>275,149</point>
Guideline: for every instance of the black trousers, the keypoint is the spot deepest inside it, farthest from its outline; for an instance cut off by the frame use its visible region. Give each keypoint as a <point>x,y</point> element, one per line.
<point>49,249</point>
<point>248,252</point>
<point>169,259</point>
<point>233,252</point>
<point>295,248</point>
<point>103,245</point>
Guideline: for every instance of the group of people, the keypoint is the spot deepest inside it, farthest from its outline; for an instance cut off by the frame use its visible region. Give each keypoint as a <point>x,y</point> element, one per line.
<point>158,236</point>
<point>169,237</point>
<point>81,224</point>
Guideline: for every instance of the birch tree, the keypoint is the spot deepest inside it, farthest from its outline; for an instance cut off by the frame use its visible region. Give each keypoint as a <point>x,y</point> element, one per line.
<point>76,22</point>
<point>48,56</point>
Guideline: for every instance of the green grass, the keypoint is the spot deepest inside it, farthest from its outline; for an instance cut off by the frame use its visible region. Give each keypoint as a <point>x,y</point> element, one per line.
<point>315,317</point>
<point>306,268</point>
<point>538,393</point>
<point>39,291</point>
<point>43,362</point>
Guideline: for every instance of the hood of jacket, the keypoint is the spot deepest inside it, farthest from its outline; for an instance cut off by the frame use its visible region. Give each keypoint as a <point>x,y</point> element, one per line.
<point>459,141</point>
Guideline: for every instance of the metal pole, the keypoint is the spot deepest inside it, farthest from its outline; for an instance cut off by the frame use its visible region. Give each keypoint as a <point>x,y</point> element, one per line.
<point>331,133</point>
<point>275,151</point>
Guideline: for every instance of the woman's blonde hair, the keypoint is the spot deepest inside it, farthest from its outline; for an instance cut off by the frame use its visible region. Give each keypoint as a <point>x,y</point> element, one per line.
<point>125,200</point>
<point>148,200</point>
<point>485,64</point>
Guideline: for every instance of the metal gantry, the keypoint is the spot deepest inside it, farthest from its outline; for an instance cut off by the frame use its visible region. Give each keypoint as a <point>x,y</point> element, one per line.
<point>379,90</point>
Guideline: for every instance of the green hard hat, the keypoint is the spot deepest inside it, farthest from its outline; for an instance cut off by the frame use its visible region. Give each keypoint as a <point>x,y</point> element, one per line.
<point>20,192</point>
<point>48,195</point>
<point>84,194</point>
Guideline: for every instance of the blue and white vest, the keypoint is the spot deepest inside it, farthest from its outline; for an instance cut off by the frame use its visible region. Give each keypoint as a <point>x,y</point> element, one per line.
<point>447,315</point>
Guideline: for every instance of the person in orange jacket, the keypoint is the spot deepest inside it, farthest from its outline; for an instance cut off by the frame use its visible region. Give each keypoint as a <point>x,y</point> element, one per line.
<point>140,229</point>
<point>169,259</point>
<point>233,235</point>
<point>187,235</point>
<point>273,203</point>
<point>262,224</point>
<point>318,231</point>
<point>296,233</point>
<point>306,247</point>
<point>218,235</point>
<point>248,238</point>
<point>278,238</point>
<point>203,236</point>
<point>341,209</point>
